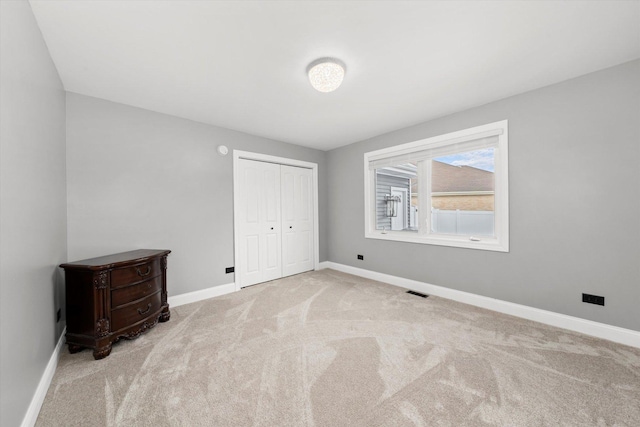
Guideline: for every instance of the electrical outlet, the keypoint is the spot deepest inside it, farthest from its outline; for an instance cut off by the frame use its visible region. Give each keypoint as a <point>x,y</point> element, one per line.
<point>593,299</point>
<point>58,315</point>
<point>229,270</point>
<point>361,257</point>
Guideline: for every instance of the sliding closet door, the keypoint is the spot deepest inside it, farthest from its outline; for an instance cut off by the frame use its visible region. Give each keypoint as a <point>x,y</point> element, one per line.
<point>297,220</point>
<point>259,222</point>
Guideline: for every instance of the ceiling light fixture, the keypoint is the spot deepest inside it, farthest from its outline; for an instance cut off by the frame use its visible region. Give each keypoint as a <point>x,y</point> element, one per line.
<point>326,74</point>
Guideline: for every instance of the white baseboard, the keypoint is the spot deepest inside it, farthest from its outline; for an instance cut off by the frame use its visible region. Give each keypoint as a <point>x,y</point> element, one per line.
<point>31,416</point>
<point>588,327</point>
<point>325,264</point>
<point>214,291</point>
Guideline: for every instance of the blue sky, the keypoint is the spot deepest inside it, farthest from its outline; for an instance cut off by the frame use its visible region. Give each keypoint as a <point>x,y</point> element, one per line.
<point>481,159</point>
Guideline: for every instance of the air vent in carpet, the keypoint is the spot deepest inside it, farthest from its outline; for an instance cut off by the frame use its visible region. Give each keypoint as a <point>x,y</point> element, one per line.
<point>417,293</point>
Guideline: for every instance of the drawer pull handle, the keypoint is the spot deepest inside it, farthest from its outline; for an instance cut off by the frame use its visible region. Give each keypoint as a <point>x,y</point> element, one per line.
<point>141,274</point>
<point>141,312</point>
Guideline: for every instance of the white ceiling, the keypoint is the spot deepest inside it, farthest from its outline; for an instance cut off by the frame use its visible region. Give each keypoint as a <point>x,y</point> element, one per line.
<point>241,64</point>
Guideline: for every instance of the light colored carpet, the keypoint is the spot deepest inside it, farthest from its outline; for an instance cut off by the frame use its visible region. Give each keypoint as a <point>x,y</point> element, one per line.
<point>330,349</point>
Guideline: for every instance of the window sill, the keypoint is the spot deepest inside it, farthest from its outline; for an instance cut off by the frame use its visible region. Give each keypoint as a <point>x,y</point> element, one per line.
<point>451,241</point>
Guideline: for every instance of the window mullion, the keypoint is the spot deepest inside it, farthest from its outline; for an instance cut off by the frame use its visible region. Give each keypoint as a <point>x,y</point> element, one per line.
<point>373,180</point>
<point>424,196</point>
<point>497,194</point>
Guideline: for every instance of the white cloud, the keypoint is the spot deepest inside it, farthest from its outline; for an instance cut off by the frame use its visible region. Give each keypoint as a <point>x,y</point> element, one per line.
<point>480,159</point>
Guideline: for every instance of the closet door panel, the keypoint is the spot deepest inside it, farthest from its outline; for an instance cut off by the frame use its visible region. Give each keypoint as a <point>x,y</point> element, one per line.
<point>252,254</point>
<point>259,222</point>
<point>297,220</point>
<point>271,244</point>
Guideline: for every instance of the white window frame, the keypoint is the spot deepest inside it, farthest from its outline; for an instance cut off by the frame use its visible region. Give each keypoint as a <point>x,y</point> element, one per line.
<point>499,243</point>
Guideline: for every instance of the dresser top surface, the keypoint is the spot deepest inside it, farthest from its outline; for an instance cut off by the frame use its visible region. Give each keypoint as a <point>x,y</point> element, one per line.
<point>115,260</point>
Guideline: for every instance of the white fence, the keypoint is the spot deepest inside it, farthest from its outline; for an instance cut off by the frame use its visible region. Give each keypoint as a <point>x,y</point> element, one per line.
<point>472,223</point>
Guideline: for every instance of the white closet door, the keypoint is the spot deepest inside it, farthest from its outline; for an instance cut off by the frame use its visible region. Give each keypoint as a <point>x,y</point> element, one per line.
<point>259,220</point>
<point>297,220</point>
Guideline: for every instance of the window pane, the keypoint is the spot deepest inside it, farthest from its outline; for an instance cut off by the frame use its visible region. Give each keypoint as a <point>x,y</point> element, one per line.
<point>462,193</point>
<point>397,198</point>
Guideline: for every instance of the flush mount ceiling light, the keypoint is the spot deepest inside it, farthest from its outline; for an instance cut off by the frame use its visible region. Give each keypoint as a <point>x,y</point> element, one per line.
<point>326,74</point>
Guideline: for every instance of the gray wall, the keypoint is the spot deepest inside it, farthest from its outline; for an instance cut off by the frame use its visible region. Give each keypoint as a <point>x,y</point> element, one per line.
<point>140,179</point>
<point>574,160</point>
<point>32,208</point>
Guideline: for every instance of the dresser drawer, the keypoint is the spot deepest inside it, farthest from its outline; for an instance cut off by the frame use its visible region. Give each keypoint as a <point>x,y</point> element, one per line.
<point>128,275</point>
<point>127,294</point>
<point>135,312</point>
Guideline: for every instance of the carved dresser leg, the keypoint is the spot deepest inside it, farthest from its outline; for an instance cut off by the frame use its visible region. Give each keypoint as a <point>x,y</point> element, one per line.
<point>74,348</point>
<point>102,352</point>
<point>165,316</point>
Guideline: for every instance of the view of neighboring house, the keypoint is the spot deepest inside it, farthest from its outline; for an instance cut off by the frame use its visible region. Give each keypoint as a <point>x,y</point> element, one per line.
<point>396,182</point>
<point>461,187</point>
<point>462,198</point>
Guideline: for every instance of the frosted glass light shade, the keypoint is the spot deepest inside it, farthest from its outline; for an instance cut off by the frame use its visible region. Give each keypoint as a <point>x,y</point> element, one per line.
<point>326,74</point>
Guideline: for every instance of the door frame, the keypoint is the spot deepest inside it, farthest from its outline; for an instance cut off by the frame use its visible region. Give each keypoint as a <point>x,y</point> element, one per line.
<point>403,206</point>
<point>247,155</point>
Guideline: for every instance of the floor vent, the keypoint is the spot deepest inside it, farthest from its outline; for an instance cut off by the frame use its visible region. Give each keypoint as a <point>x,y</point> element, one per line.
<point>417,293</point>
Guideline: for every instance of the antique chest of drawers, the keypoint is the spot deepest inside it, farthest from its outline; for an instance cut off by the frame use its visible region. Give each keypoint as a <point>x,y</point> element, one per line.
<point>113,297</point>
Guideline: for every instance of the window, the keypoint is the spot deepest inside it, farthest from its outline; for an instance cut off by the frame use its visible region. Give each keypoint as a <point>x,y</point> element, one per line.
<point>449,190</point>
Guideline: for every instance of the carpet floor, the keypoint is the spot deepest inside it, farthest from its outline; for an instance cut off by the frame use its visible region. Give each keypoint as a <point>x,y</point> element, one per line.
<point>330,349</point>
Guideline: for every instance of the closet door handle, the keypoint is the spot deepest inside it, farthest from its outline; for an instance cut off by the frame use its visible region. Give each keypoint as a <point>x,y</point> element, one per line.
<point>272,228</point>
<point>291,226</point>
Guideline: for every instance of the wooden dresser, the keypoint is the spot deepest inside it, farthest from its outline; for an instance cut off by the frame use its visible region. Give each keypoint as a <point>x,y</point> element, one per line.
<point>113,297</point>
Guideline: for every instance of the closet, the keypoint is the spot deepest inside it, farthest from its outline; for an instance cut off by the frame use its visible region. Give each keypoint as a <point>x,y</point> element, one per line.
<point>274,221</point>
